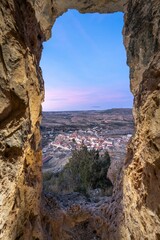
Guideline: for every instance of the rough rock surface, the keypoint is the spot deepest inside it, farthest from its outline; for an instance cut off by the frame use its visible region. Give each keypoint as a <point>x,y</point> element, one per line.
<point>141,180</point>
<point>21,93</point>
<point>134,210</point>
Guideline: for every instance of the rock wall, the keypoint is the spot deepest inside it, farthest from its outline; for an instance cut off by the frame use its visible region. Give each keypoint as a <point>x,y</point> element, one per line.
<point>141,182</point>
<point>134,211</point>
<point>21,93</point>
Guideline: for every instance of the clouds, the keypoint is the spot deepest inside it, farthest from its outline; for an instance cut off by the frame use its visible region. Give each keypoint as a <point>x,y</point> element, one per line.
<point>79,99</point>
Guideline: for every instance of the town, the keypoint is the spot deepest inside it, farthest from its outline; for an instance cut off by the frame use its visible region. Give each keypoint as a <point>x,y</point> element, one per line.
<point>59,144</point>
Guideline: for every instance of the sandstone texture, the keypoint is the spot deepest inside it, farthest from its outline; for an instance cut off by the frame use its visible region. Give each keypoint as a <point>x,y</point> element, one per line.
<point>133,212</point>
<point>21,93</point>
<point>141,179</point>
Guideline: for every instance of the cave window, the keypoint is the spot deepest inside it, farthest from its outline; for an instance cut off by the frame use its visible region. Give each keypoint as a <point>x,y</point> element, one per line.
<point>84,68</point>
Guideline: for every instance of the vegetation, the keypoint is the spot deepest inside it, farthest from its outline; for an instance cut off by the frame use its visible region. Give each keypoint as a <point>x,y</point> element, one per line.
<point>85,171</point>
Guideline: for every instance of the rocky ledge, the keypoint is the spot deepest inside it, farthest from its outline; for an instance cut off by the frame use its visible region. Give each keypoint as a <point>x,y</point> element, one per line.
<point>133,211</point>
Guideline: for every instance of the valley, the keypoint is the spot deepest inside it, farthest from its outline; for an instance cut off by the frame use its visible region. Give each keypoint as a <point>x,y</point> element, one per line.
<point>62,132</point>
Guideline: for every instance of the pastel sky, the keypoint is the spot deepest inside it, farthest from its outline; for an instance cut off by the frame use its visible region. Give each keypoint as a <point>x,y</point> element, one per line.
<point>84,63</point>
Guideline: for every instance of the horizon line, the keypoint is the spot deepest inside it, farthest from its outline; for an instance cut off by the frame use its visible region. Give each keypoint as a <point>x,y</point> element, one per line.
<point>98,110</point>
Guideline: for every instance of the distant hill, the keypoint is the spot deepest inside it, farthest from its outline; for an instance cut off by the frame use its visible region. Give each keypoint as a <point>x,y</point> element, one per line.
<point>111,119</point>
<point>109,111</point>
<point>118,111</point>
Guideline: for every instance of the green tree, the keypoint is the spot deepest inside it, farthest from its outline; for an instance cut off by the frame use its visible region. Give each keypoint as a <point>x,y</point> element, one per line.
<point>87,170</point>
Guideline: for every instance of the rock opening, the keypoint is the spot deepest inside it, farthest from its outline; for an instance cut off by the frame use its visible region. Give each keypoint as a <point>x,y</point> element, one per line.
<point>134,213</point>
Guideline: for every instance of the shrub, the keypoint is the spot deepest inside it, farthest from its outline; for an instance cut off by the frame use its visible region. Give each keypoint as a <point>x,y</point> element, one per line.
<point>86,170</point>
<point>47,175</point>
<point>89,170</point>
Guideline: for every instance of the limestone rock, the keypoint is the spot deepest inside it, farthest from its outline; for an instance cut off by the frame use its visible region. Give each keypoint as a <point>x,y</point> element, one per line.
<point>133,211</point>
<point>115,169</point>
<point>142,170</point>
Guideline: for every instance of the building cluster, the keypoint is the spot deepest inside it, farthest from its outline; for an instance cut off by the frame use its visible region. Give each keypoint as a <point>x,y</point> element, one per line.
<point>92,138</point>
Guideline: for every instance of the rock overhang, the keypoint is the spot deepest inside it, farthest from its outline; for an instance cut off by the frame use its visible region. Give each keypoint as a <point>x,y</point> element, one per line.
<point>24,25</point>
<point>92,6</point>
<point>47,11</point>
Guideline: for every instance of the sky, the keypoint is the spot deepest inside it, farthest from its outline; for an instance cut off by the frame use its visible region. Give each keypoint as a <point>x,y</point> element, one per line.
<point>84,64</point>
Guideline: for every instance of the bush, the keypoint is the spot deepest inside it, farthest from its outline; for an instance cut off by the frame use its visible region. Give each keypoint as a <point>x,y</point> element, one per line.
<point>47,175</point>
<point>86,170</point>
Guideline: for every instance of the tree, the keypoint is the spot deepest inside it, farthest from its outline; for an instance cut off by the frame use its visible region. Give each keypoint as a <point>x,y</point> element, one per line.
<point>86,170</point>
